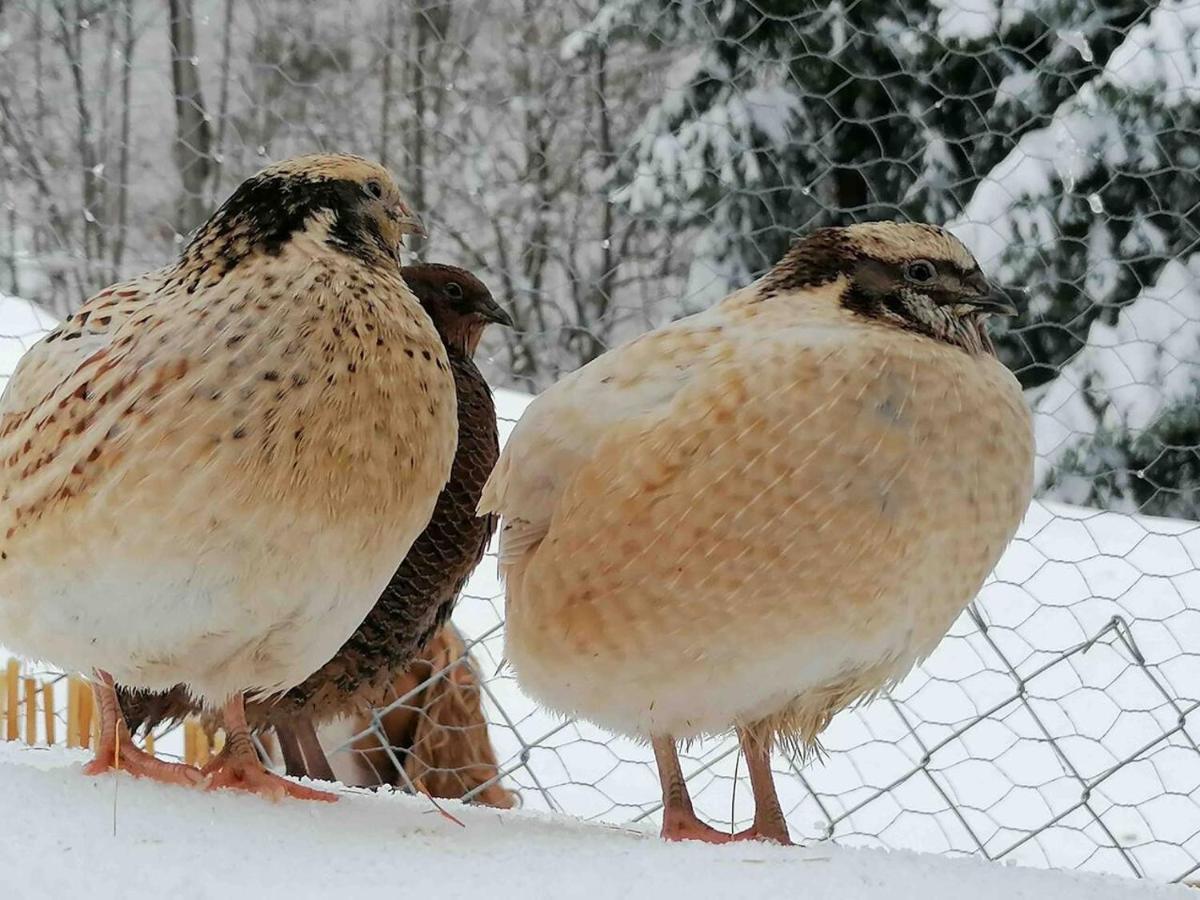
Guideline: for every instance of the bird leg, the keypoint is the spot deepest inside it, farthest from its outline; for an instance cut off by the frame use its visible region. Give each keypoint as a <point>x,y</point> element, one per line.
<point>302,751</point>
<point>314,754</point>
<point>238,767</point>
<point>679,818</point>
<point>116,751</point>
<point>289,746</point>
<point>769,822</point>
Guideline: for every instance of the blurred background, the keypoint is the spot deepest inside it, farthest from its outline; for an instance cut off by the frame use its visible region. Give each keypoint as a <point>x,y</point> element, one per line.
<point>608,165</point>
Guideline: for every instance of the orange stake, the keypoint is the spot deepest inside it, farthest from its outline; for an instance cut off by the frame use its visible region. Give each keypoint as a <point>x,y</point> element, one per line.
<point>72,711</point>
<point>189,742</point>
<point>203,747</point>
<point>85,715</point>
<point>31,716</point>
<point>12,687</point>
<point>48,719</point>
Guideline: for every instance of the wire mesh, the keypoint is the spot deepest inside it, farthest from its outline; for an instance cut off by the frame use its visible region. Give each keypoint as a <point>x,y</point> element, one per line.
<point>608,165</point>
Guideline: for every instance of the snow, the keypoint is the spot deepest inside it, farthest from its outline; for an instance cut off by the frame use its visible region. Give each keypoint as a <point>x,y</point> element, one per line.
<point>1163,52</point>
<point>21,325</point>
<point>1132,370</point>
<point>725,132</point>
<point>69,835</point>
<point>1015,203</point>
<point>966,19</point>
<point>1012,204</point>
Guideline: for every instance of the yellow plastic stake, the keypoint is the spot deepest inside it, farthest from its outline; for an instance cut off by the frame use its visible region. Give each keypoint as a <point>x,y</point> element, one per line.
<point>149,744</point>
<point>189,742</point>
<point>48,719</point>
<point>12,685</point>
<point>202,747</point>
<point>31,715</point>
<point>72,711</point>
<point>85,715</point>
<point>3,701</point>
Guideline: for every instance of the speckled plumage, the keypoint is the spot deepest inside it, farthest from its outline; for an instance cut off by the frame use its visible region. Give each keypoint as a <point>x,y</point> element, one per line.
<point>208,472</point>
<point>754,516</point>
<point>423,589</point>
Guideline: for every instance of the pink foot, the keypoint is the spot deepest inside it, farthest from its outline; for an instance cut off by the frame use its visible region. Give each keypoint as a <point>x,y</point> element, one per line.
<point>142,765</point>
<point>689,828</point>
<point>769,835</point>
<point>250,775</point>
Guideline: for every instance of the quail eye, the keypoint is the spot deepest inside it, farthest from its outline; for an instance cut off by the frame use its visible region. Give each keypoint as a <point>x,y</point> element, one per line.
<point>375,189</point>
<point>454,290</point>
<point>920,271</point>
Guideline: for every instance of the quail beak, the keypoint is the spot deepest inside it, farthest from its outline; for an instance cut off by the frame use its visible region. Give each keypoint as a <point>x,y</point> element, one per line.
<point>407,223</point>
<point>997,300</point>
<point>491,311</point>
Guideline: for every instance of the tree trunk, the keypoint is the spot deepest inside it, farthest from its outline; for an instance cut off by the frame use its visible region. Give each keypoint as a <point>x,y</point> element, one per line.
<point>193,134</point>
<point>13,280</point>
<point>122,224</point>
<point>71,27</point>
<point>601,299</point>
<point>386,78</point>
<point>222,102</point>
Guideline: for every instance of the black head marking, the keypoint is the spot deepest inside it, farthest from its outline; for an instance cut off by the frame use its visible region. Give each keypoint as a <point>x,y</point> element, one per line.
<point>813,260</point>
<point>268,209</point>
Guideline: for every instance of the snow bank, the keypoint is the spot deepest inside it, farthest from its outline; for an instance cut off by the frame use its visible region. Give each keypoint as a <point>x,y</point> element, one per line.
<point>68,835</point>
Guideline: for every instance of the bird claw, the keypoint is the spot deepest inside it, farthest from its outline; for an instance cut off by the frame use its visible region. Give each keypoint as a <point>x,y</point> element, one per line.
<point>254,778</point>
<point>140,764</point>
<point>683,828</point>
<point>766,835</point>
<point>692,829</point>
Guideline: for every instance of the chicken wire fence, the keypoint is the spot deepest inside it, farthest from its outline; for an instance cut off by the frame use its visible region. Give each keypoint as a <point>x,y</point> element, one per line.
<point>608,165</point>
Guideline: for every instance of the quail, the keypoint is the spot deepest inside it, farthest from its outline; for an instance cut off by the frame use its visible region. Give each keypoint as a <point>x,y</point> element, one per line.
<point>209,472</point>
<point>755,516</point>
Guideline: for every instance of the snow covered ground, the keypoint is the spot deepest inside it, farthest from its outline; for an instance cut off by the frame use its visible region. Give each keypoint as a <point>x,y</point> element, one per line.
<point>71,836</point>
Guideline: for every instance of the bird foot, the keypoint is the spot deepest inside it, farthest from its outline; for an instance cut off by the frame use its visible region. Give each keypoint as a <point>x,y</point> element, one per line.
<point>251,776</point>
<point>767,833</point>
<point>140,764</point>
<point>689,828</point>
